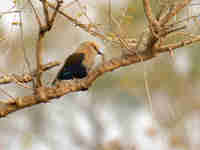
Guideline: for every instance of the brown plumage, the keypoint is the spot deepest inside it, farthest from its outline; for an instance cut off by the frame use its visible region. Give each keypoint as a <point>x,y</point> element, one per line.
<point>78,64</point>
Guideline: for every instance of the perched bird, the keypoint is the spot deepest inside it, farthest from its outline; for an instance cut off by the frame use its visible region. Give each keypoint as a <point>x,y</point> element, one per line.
<point>78,64</point>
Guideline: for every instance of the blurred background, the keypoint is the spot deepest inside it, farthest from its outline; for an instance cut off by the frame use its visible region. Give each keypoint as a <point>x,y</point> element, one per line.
<point>114,114</point>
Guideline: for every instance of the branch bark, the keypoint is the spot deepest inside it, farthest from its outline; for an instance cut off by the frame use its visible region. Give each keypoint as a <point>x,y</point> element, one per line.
<point>45,94</point>
<point>28,76</point>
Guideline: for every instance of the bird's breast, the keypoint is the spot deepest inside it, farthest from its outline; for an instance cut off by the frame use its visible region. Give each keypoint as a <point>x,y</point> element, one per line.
<point>88,62</point>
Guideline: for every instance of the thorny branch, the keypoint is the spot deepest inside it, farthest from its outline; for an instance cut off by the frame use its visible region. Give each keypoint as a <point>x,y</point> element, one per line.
<point>159,29</point>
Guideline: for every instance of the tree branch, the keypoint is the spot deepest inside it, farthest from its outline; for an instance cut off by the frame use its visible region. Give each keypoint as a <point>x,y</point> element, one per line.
<point>26,77</point>
<point>85,27</point>
<point>42,30</point>
<point>148,12</point>
<point>46,94</point>
<point>173,12</point>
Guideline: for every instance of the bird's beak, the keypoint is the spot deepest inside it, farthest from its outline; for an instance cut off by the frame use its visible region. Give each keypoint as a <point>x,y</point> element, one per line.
<point>99,53</point>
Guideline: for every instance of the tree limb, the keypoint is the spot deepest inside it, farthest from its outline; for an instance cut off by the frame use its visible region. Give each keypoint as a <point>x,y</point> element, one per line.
<point>46,94</point>
<point>5,79</point>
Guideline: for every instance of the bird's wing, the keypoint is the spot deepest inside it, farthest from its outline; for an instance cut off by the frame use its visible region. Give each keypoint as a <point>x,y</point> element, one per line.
<point>75,58</point>
<point>71,66</point>
<point>74,64</point>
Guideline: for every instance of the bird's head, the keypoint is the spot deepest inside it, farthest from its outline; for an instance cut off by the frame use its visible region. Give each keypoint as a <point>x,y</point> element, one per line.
<point>90,47</point>
<point>95,47</point>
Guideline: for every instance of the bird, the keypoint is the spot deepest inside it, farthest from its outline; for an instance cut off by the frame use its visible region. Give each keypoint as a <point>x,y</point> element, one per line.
<point>79,63</point>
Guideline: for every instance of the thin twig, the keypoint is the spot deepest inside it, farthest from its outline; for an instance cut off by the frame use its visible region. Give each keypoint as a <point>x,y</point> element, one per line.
<point>36,14</point>
<point>23,47</point>
<point>146,84</point>
<point>59,2</point>
<point>77,23</point>
<point>46,12</point>
<point>148,12</point>
<point>174,11</point>
<point>27,77</point>
<point>182,20</point>
<point>178,44</point>
<point>42,30</point>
